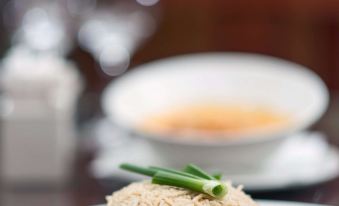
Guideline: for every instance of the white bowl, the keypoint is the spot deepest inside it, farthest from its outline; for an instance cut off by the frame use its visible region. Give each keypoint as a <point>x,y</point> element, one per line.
<point>225,77</point>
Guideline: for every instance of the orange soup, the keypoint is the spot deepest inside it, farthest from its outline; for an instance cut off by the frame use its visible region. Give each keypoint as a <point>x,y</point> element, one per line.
<point>215,119</point>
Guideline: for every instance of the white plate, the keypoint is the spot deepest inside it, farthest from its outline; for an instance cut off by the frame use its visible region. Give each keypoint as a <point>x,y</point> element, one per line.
<point>274,203</point>
<point>284,203</point>
<point>308,157</point>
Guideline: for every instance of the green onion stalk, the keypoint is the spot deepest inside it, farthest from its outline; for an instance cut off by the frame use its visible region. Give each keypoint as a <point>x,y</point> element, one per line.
<point>192,177</point>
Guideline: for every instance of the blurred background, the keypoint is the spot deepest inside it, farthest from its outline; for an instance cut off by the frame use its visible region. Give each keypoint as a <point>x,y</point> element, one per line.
<point>86,44</point>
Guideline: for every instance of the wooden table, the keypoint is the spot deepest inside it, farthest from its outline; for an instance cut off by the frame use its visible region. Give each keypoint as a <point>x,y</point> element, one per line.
<point>85,190</point>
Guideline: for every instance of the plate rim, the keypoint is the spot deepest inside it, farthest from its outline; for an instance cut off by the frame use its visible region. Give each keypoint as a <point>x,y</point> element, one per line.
<point>262,202</point>
<point>332,153</point>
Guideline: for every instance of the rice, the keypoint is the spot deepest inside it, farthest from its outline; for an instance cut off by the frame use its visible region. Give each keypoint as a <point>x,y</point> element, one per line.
<point>148,194</point>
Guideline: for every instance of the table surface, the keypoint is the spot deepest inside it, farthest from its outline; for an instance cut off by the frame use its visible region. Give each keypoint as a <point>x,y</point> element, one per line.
<point>85,190</point>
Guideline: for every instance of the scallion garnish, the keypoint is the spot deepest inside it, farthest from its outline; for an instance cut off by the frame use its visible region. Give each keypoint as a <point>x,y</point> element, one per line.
<point>176,172</point>
<point>137,169</point>
<point>217,175</point>
<point>195,170</point>
<point>193,178</point>
<point>211,187</point>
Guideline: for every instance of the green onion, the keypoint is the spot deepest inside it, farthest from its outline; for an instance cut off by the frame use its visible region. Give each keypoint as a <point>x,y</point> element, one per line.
<point>150,171</point>
<point>176,172</point>
<point>137,169</point>
<point>211,187</point>
<point>217,175</point>
<point>195,170</point>
<point>192,178</point>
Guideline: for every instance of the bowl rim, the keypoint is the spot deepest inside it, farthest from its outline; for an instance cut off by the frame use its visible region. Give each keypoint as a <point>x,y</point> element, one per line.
<point>193,140</point>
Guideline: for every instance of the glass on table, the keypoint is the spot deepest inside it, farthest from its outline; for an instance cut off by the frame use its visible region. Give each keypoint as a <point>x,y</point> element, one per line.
<point>112,30</point>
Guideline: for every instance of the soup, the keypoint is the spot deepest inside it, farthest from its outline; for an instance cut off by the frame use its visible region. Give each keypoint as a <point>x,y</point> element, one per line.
<point>215,119</point>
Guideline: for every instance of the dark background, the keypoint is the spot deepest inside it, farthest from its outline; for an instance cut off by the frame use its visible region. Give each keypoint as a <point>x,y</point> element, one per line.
<point>303,31</point>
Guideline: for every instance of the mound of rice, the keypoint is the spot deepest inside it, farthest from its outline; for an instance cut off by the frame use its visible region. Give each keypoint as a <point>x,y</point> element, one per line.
<point>148,194</point>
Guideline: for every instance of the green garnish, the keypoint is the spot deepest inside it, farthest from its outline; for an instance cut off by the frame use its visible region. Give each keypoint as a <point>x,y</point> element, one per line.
<point>195,170</point>
<point>141,170</point>
<point>175,171</point>
<point>217,175</point>
<point>193,178</point>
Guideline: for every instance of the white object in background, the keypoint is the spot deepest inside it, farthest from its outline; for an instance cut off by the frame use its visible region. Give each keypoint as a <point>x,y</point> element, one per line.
<point>230,78</point>
<point>112,34</point>
<point>37,135</point>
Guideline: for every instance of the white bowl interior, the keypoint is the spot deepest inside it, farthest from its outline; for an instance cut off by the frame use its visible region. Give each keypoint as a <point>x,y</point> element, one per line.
<point>216,77</point>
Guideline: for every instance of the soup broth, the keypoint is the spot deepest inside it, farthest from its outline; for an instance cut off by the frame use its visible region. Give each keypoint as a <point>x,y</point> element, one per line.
<point>215,120</point>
